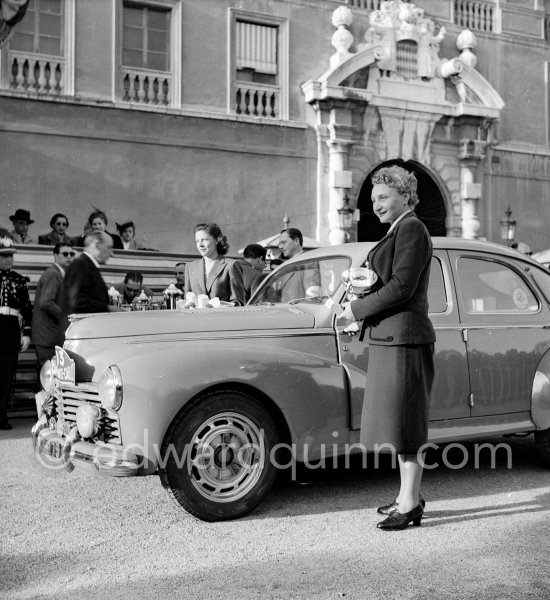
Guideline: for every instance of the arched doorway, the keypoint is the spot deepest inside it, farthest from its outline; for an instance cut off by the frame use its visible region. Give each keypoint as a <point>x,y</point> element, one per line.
<point>430,209</point>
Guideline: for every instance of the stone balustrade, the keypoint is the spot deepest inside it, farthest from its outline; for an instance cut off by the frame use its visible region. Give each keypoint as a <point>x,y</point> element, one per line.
<point>257,100</point>
<point>36,73</point>
<point>146,87</point>
<point>365,4</point>
<point>475,14</point>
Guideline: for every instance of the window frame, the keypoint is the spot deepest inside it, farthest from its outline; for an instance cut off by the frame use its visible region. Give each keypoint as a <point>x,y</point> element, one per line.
<point>282,25</point>
<point>174,52</point>
<point>67,55</point>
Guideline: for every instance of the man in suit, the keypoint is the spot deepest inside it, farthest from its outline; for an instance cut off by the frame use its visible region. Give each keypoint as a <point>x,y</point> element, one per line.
<point>132,286</point>
<point>246,274</point>
<point>179,272</point>
<point>84,290</point>
<point>47,319</point>
<point>59,224</point>
<point>291,242</point>
<point>21,220</point>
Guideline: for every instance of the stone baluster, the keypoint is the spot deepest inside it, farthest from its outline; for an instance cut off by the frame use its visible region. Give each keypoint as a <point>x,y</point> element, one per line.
<point>140,88</point>
<point>20,77</point>
<point>41,76</point>
<point>32,83</point>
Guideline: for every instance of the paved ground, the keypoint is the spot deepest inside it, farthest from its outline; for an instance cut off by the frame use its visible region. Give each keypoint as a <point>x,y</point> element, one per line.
<point>486,535</point>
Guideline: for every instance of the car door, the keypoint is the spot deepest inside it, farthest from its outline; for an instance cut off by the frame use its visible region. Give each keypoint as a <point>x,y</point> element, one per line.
<point>504,321</point>
<point>451,385</point>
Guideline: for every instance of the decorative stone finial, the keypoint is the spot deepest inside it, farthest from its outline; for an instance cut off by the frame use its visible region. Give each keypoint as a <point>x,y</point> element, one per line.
<point>342,38</point>
<point>286,221</point>
<point>466,42</point>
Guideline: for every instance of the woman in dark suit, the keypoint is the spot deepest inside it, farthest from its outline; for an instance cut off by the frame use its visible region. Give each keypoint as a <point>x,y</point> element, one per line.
<point>210,275</point>
<point>401,341</point>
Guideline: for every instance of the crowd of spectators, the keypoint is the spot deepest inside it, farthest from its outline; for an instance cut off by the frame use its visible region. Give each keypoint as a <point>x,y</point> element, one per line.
<point>74,284</point>
<point>125,239</point>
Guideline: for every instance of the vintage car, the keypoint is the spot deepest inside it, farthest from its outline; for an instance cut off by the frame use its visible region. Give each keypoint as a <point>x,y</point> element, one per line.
<point>217,400</point>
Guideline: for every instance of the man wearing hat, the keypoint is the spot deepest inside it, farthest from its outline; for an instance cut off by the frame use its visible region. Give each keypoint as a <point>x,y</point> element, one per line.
<point>21,221</point>
<point>15,322</point>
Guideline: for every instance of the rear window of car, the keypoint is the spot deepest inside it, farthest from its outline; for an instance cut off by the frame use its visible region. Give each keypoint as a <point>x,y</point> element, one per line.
<point>488,286</point>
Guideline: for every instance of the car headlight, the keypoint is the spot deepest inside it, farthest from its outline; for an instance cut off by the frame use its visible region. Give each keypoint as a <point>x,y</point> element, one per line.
<point>110,388</point>
<point>46,377</point>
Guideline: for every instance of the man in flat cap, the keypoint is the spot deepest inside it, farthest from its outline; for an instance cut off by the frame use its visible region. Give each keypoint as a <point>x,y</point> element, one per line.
<point>21,221</point>
<point>15,322</point>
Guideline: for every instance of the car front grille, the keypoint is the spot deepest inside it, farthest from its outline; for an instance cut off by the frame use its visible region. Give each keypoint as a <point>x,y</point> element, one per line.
<point>70,397</point>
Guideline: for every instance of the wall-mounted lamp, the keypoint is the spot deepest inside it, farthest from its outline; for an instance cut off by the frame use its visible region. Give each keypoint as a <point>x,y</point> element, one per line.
<point>508,227</point>
<point>345,216</point>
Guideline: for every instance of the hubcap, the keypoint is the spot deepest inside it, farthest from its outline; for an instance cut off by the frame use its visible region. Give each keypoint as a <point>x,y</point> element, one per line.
<point>227,457</point>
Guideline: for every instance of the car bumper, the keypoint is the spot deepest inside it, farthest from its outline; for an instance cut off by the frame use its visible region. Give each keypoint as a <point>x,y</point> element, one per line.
<point>56,451</point>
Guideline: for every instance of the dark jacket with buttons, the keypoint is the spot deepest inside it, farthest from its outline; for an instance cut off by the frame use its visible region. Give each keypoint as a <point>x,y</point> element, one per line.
<point>396,312</point>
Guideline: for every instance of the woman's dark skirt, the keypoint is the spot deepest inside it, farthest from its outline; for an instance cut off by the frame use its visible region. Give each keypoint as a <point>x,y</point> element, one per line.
<point>397,395</point>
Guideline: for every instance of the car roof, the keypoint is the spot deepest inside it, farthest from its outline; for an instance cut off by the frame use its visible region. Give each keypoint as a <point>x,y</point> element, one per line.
<point>357,250</point>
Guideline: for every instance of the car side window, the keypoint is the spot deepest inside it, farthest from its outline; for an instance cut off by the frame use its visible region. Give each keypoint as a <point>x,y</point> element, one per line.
<point>307,279</point>
<point>487,286</point>
<point>437,294</point>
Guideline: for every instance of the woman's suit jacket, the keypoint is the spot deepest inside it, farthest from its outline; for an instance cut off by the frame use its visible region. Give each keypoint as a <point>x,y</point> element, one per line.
<point>396,312</point>
<point>218,282</point>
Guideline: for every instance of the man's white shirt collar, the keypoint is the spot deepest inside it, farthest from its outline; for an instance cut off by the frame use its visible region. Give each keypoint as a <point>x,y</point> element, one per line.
<point>91,258</point>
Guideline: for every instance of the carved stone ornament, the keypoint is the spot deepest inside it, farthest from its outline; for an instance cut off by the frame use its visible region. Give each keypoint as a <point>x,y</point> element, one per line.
<point>410,40</point>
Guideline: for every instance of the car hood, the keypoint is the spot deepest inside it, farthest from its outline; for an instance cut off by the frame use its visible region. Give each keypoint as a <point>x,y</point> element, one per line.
<point>163,322</point>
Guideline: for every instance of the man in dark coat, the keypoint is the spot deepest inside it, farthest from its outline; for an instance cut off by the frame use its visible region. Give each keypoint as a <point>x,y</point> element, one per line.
<point>47,319</point>
<point>15,322</point>
<point>84,288</point>
<point>246,274</point>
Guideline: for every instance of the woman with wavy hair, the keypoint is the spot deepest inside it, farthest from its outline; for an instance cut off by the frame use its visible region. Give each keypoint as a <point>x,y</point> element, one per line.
<point>401,342</point>
<point>210,274</point>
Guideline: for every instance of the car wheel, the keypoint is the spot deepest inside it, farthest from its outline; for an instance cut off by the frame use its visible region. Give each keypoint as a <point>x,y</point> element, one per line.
<point>215,460</point>
<point>542,439</point>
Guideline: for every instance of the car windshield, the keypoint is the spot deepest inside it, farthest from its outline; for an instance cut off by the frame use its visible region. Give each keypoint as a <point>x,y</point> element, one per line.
<point>307,280</point>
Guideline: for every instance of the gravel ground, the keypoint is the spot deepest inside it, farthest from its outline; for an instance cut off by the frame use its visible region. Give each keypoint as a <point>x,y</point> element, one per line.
<point>485,535</point>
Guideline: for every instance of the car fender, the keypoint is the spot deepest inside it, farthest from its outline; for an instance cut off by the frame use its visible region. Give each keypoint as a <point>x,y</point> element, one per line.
<point>540,394</point>
<point>310,390</point>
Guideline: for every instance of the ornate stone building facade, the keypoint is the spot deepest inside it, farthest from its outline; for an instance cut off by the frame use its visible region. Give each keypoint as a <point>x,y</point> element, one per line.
<point>173,112</point>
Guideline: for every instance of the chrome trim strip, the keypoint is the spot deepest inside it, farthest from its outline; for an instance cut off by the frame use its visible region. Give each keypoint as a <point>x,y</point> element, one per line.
<point>215,335</point>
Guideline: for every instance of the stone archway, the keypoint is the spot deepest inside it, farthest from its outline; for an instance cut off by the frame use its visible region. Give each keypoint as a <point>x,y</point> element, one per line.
<point>430,210</point>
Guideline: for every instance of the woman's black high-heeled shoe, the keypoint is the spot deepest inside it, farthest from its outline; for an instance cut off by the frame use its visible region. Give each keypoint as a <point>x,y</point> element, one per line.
<point>389,508</point>
<point>397,520</point>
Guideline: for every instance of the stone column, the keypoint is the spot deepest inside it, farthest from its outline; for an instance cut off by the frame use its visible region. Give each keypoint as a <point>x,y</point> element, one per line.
<point>470,193</point>
<point>339,185</point>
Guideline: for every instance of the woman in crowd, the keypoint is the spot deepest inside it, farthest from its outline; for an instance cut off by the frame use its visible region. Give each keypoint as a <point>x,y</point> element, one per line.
<point>210,274</point>
<point>401,341</point>
<point>97,221</point>
<point>59,224</point>
<point>127,233</point>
